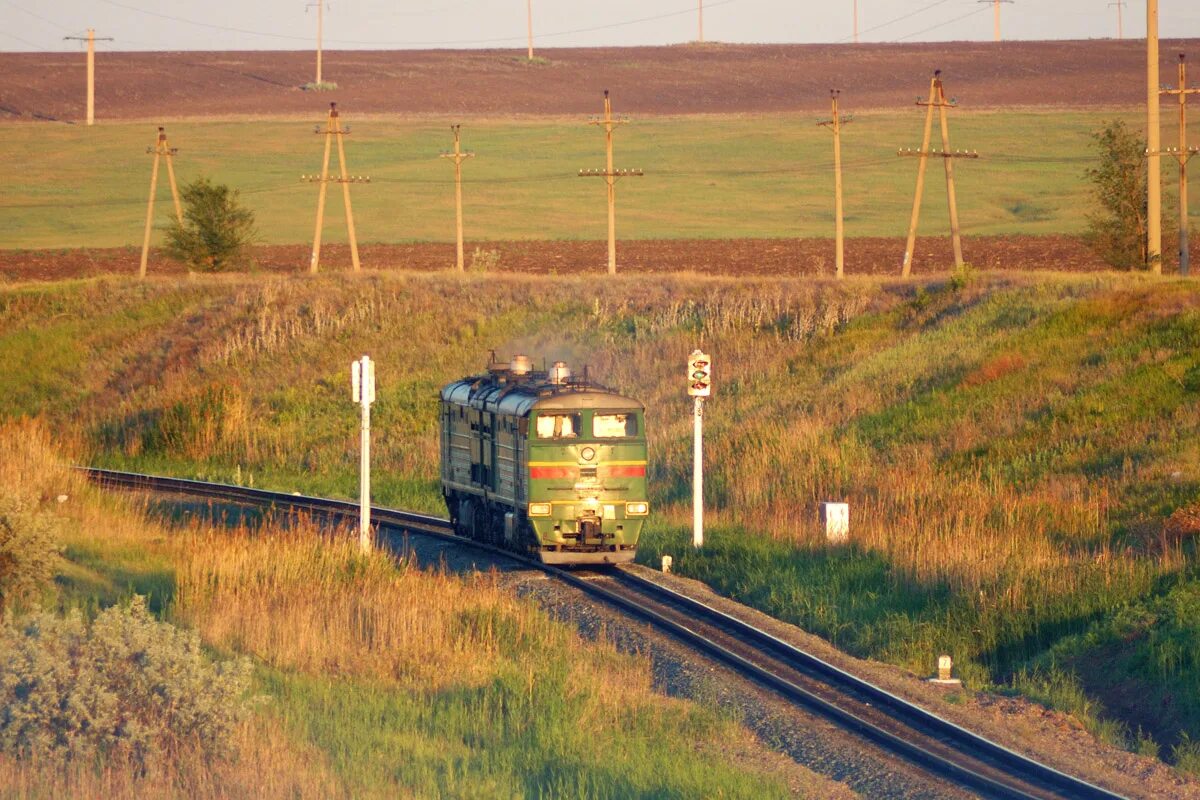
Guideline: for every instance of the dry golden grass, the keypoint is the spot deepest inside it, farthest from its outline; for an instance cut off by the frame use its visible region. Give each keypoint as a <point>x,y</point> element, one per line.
<point>268,765</point>
<point>301,597</point>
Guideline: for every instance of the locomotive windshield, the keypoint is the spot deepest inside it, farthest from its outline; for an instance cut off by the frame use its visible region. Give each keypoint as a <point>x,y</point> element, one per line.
<point>614,426</point>
<point>557,426</point>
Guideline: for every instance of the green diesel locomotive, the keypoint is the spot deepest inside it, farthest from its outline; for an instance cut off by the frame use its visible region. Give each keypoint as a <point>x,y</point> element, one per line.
<point>544,463</point>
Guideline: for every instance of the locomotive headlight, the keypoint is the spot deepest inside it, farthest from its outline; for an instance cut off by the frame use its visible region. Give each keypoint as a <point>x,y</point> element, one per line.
<point>587,453</point>
<point>539,509</point>
<point>637,509</point>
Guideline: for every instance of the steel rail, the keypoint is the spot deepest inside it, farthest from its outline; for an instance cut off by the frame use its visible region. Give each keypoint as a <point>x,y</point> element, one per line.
<point>921,721</point>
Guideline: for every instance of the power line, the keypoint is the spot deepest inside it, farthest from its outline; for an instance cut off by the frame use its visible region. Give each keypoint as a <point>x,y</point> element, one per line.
<point>51,23</point>
<point>39,48</point>
<point>381,42</point>
<point>900,18</point>
<point>943,24</point>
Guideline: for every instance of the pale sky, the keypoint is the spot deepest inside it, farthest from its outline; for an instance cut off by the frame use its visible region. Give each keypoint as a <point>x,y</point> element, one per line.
<point>388,24</point>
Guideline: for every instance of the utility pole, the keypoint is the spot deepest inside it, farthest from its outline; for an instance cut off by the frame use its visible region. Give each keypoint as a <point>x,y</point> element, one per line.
<point>458,157</point>
<point>937,99</point>
<point>91,69</point>
<point>1183,154</point>
<point>610,176</point>
<point>701,39</point>
<point>1120,6</point>
<point>856,21</point>
<point>320,6</point>
<point>333,129</point>
<point>835,124</point>
<point>1153,144</point>
<point>529,25</point>
<point>362,384</point>
<point>160,150</point>
<point>996,14</point>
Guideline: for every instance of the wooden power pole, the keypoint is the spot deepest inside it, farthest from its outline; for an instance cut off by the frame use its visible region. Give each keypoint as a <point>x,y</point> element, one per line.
<point>1153,144</point>
<point>333,130</point>
<point>856,21</point>
<point>610,176</point>
<point>701,21</point>
<point>91,69</point>
<point>937,99</point>
<point>835,124</point>
<point>320,6</point>
<point>996,15</point>
<point>459,156</point>
<point>1120,6</point>
<point>160,150</point>
<point>1183,154</point>
<point>529,25</point>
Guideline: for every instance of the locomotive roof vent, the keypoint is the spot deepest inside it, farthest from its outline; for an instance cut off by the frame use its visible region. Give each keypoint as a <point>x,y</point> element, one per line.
<point>560,373</point>
<point>521,365</point>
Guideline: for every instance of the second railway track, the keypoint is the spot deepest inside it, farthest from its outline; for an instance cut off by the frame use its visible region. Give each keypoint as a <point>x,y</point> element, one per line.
<point>903,729</point>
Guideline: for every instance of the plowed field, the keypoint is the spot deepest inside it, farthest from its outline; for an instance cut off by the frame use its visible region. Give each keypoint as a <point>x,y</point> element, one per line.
<point>866,256</point>
<point>713,78</point>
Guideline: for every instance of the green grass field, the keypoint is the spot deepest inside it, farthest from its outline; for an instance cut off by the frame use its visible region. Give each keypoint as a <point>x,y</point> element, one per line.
<point>707,177</point>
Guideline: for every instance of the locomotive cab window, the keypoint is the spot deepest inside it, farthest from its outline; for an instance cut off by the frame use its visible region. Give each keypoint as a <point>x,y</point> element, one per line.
<point>614,426</point>
<point>558,426</point>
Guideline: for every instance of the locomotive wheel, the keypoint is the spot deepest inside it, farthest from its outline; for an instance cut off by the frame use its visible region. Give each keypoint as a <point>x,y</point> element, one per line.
<point>464,522</point>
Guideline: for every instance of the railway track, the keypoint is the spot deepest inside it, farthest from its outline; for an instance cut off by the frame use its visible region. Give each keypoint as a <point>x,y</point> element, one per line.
<point>891,723</point>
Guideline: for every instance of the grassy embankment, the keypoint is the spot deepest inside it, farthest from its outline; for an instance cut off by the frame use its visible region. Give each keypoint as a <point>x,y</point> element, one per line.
<point>371,679</point>
<point>86,187</point>
<point>1019,454</point>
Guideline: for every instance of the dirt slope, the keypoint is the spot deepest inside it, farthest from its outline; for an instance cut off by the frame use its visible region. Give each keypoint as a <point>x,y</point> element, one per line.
<point>712,78</point>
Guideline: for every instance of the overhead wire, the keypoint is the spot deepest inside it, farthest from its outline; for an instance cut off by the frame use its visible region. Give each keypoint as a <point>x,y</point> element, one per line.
<point>381,42</point>
<point>944,24</point>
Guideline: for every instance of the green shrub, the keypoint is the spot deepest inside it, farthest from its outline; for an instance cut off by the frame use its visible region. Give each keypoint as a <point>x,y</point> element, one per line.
<point>28,552</point>
<point>127,687</point>
<point>216,231</point>
<point>1117,229</point>
<point>1186,755</point>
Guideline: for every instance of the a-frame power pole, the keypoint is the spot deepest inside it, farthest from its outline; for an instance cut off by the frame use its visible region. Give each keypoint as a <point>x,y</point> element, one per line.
<point>937,99</point>
<point>333,130</point>
<point>160,150</point>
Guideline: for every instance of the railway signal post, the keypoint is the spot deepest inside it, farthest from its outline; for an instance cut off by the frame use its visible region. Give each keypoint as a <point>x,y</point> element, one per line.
<point>610,176</point>
<point>1183,154</point>
<point>362,382</point>
<point>937,99</point>
<point>334,129</point>
<point>835,124</point>
<point>91,69</point>
<point>699,387</point>
<point>160,150</point>
<point>459,156</point>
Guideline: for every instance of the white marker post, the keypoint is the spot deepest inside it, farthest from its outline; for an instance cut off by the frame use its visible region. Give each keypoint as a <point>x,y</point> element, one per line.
<point>699,387</point>
<point>362,380</point>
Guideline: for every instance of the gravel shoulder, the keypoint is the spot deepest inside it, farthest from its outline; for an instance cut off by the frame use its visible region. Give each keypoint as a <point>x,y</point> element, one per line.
<point>1048,736</point>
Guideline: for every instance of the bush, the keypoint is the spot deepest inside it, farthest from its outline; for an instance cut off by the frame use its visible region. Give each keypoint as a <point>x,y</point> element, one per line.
<point>28,552</point>
<point>127,688</point>
<point>216,231</point>
<point>1118,230</point>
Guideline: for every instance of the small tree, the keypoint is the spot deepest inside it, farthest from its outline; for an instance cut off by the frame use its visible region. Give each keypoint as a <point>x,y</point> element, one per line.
<point>216,231</point>
<point>1117,230</point>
